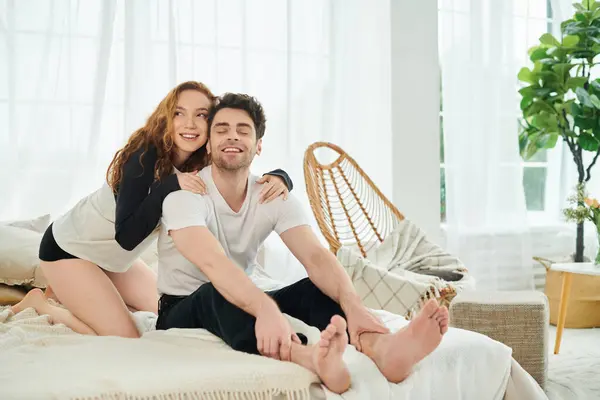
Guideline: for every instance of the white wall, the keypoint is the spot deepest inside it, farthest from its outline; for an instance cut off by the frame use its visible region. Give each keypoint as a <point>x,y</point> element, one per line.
<point>415,112</point>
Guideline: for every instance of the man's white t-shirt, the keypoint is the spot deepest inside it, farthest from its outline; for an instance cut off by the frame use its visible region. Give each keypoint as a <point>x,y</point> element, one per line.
<point>240,233</point>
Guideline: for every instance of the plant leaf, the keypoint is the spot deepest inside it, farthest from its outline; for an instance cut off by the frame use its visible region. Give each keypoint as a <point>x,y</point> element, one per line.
<point>523,141</point>
<point>576,110</point>
<point>547,141</point>
<point>539,53</point>
<point>585,123</point>
<point>526,101</point>
<point>575,82</point>
<point>531,149</point>
<point>549,40</point>
<point>595,101</point>
<point>562,69</point>
<point>581,17</point>
<point>570,41</point>
<point>584,97</point>
<point>545,122</point>
<point>525,75</point>
<point>588,142</point>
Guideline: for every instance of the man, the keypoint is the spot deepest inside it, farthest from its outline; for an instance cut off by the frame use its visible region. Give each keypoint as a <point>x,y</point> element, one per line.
<point>207,249</point>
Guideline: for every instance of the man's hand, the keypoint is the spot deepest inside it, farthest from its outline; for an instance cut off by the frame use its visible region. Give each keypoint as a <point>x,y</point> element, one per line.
<point>274,335</point>
<point>360,320</point>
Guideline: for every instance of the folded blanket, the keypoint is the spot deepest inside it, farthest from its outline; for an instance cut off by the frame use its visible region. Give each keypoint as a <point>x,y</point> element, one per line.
<point>404,270</point>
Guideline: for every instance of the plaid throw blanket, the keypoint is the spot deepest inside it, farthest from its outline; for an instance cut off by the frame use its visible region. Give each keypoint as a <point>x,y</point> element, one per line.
<point>403,271</point>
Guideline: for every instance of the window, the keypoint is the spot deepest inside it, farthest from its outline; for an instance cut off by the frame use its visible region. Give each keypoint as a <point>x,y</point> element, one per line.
<point>532,18</point>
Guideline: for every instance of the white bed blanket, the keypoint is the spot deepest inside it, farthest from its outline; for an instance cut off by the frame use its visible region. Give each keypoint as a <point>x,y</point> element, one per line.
<point>42,361</point>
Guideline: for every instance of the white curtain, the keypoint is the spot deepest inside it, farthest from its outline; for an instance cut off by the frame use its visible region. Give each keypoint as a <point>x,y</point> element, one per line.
<point>486,212</point>
<point>77,77</point>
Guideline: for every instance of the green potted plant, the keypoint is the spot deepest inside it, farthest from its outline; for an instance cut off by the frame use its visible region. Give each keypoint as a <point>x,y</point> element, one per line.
<point>560,99</point>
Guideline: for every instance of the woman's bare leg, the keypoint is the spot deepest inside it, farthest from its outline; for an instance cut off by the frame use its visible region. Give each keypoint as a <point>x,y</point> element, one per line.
<point>137,286</point>
<point>85,290</point>
<point>35,299</point>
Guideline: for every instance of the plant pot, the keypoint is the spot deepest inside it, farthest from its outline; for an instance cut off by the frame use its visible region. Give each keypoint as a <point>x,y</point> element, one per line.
<point>583,307</point>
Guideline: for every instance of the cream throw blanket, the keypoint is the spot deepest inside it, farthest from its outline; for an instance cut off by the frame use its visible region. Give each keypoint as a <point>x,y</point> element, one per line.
<point>406,268</point>
<point>43,361</point>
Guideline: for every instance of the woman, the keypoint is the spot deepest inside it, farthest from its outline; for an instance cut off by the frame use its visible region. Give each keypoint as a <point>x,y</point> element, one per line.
<point>90,256</point>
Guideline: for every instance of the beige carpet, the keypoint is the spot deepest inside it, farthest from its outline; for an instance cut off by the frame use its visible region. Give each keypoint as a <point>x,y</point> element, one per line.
<point>574,373</point>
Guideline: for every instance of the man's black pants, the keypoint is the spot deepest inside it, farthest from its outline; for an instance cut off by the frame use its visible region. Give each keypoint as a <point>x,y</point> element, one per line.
<point>206,308</point>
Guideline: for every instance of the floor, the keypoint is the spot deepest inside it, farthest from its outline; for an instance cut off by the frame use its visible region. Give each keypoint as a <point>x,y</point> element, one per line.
<point>575,372</point>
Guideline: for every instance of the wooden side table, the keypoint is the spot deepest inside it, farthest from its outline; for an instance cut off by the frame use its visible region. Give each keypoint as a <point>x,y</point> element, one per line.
<point>568,269</point>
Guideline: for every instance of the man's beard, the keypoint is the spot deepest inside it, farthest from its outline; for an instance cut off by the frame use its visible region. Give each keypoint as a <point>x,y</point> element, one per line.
<point>234,165</point>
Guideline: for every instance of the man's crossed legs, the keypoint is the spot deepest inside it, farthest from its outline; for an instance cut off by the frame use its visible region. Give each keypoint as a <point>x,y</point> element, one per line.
<point>394,354</point>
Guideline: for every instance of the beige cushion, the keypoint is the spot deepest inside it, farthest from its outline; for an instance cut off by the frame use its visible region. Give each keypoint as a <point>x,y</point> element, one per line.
<point>19,262</point>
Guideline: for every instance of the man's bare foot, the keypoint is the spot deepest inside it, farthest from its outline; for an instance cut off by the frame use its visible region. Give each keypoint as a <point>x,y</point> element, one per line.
<point>33,299</point>
<point>327,356</point>
<point>396,354</point>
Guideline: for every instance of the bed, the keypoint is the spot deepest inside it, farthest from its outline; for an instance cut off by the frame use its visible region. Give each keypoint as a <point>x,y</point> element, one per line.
<point>43,361</point>
<point>39,360</point>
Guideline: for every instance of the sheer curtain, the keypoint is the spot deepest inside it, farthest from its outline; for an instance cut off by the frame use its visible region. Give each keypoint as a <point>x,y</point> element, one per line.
<point>77,77</point>
<point>481,54</point>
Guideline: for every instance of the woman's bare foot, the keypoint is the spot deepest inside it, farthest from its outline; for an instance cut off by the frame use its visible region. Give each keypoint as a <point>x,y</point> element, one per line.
<point>49,294</point>
<point>327,356</point>
<point>33,299</point>
<point>396,354</point>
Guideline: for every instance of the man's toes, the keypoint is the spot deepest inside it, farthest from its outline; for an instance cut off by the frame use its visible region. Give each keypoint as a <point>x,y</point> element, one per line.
<point>430,308</point>
<point>444,311</point>
<point>339,323</point>
<point>437,314</point>
<point>329,332</point>
<point>324,342</point>
<point>444,325</point>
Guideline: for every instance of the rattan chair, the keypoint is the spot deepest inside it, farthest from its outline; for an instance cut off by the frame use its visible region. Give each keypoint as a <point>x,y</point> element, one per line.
<point>350,210</point>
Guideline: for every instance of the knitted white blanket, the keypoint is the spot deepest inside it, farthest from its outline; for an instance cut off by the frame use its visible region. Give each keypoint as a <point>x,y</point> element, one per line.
<point>406,268</point>
<point>43,361</point>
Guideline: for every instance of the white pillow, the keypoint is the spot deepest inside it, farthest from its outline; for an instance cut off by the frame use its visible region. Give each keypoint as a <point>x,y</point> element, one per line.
<point>19,260</point>
<point>39,224</point>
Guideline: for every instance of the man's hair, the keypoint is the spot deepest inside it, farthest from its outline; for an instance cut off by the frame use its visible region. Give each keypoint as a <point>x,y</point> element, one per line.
<point>243,102</point>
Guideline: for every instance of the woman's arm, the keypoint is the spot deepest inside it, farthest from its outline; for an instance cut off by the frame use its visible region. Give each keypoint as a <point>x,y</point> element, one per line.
<point>139,199</point>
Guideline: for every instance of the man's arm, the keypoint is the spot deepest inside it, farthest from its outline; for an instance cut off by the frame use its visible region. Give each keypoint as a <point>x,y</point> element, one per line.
<point>329,276</point>
<point>321,265</point>
<point>200,247</point>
